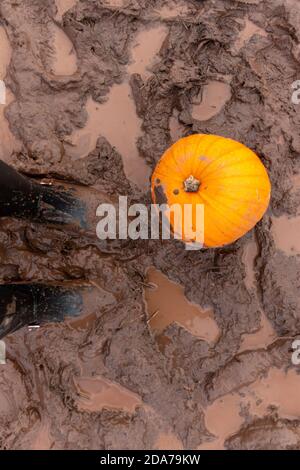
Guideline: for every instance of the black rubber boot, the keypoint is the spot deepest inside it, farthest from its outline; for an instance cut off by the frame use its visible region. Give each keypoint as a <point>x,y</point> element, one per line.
<point>22,198</point>
<point>34,304</point>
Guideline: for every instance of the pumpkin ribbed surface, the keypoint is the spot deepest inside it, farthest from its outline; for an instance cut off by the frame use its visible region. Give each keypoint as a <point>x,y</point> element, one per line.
<point>222,174</point>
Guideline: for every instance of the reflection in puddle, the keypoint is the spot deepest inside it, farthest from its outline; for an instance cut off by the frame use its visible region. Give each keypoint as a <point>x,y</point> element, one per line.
<point>211,100</point>
<point>285,231</point>
<point>246,34</point>
<point>97,393</point>
<point>166,304</point>
<point>8,142</point>
<point>65,59</point>
<point>63,6</point>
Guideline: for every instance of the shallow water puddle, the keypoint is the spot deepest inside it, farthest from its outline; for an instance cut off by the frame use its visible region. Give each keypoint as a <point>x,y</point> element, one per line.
<point>97,393</point>
<point>249,254</point>
<point>145,49</point>
<point>249,30</point>
<point>211,100</point>
<point>279,389</point>
<point>222,418</point>
<point>116,119</point>
<point>8,142</point>
<point>63,6</point>
<point>285,231</point>
<point>262,338</point>
<point>5,52</point>
<point>166,304</point>
<point>64,56</point>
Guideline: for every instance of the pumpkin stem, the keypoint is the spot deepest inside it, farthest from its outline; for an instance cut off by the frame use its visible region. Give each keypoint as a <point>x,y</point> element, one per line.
<point>191,184</point>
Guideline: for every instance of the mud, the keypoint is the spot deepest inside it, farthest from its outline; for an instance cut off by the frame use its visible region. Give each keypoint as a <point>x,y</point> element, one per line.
<point>94,101</point>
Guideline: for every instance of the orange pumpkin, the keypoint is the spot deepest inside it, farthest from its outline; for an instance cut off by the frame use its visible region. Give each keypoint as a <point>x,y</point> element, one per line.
<point>223,175</point>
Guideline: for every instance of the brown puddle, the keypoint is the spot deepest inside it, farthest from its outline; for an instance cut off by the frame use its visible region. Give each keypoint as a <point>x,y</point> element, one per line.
<point>222,419</point>
<point>285,231</point>
<point>211,100</point>
<point>166,304</point>
<point>262,338</point>
<point>63,6</point>
<point>145,49</point>
<point>249,30</point>
<point>94,301</point>
<point>116,119</point>
<point>97,393</point>
<point>64,56</point>
<point>279,389</point>
<point>118,122</point>
<point>8,142</point>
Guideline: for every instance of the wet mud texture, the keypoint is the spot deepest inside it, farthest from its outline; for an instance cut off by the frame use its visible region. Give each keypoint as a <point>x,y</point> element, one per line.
<point>111,381</point>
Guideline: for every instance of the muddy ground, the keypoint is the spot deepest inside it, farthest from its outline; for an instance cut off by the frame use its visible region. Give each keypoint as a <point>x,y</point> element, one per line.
<point>194,351</point>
